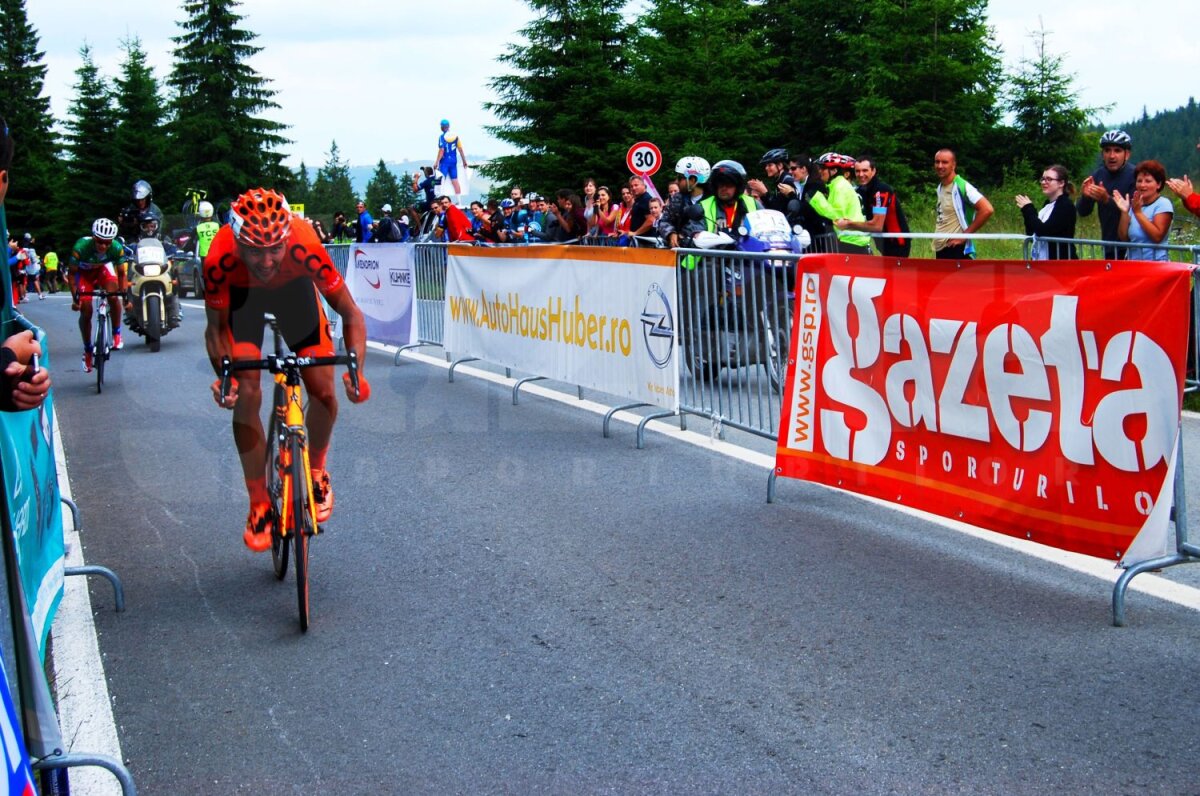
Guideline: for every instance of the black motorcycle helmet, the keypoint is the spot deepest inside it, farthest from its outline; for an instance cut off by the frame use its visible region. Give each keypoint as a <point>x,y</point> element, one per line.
<point>726,173</point>
<point>777,155</point>
<point>148,223</point>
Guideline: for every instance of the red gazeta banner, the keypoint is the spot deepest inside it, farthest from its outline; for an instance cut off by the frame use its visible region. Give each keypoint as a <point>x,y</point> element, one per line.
<point>1041,401</point>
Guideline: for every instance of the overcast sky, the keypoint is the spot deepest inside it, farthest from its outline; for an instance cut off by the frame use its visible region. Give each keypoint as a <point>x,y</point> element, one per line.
<point>379,81</point>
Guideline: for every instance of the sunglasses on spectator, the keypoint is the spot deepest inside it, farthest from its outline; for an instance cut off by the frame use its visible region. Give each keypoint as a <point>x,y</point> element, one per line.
<point>1049,179</point>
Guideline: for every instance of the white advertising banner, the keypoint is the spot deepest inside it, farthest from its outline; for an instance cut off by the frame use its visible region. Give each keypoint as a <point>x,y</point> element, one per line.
<point>603,318</point>
<point>381,278</point>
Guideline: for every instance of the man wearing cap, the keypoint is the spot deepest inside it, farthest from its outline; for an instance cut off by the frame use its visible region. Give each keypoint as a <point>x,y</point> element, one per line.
<point>365,232</point>
<point>386,229</point>
<point>450,148</point>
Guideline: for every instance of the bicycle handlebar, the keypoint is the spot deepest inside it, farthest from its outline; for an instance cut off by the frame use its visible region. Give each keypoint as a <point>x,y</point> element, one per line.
<point>98,293</point>
<point>286,364</point>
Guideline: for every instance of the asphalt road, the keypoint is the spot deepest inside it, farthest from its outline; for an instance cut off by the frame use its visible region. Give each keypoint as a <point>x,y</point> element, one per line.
<point>506,602</point>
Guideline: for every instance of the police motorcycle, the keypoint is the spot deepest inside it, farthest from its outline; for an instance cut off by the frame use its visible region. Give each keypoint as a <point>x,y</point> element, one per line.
<point>153,308</point>
<point>739,313</point>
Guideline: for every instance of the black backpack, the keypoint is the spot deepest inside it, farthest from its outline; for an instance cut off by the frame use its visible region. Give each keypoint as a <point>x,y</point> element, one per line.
<point>388,231</point>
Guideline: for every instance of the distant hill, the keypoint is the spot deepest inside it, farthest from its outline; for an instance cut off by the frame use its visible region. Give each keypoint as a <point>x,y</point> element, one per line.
<point>1169,137</point>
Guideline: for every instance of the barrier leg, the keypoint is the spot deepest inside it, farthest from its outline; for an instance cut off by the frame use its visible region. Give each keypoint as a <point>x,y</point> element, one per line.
<point>103,761</point>
<point>517,386</point>
<point>401,350</point>
<point>771,479</point>
<point>458,362</point>
<point>614,410</point>
<point>641,429</point>
<point>91,569</point>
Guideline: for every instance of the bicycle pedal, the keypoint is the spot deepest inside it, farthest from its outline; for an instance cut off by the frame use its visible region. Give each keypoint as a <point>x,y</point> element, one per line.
<point>320,530</point>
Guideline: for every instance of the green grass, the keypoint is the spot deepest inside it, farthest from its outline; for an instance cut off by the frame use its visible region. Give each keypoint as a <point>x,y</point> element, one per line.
<point>920,210</point>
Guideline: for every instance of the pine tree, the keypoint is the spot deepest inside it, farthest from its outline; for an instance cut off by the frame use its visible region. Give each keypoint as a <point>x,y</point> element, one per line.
<point>926,75</point>
<point>299,188</point>
<point>332,190</point>
<point>814,74</point>
<point>37,170</point>
<point>383,188</point>
<point>407,197</point>
<point>219,139</point>
<point>719,111</point>
<point>93,186</point>
<point>1050,126</point>
<point>141,141</point>
<point>566,106</point>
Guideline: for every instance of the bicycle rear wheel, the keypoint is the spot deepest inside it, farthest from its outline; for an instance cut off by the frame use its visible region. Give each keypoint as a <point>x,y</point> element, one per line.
<point>302,524</point>
<point>279,545</point>
<point>100,350</point>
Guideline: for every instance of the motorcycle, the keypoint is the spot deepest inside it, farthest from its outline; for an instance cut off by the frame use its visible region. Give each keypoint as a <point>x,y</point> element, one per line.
<point>737,309</point>
<point>154,307</point>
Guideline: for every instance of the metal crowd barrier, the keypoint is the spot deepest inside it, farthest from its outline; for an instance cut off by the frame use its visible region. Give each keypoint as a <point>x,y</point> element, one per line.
<point>735,323</point>
<point>430,264</point>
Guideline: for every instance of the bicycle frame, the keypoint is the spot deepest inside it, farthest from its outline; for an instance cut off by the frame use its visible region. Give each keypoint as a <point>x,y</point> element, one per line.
<point>289,412</point>
<point>288,439</point>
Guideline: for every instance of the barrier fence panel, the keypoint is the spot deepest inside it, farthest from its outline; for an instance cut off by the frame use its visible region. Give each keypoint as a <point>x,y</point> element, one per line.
<point>735,324</point>
<point>430,265</point>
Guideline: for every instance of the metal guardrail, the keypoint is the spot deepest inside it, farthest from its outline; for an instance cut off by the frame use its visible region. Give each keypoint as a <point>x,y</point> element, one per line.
<point>430,292</point>
<point>735,322</point>
<point>734,329</point>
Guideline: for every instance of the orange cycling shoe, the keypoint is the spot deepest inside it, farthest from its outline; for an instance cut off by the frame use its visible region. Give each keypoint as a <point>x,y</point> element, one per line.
<point>322,494</point>
<point>258,528</point>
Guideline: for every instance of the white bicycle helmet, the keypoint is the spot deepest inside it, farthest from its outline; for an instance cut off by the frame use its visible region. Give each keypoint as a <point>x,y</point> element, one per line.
<point>104,229</point>
<point>1116,138</point>
<point>693,166</point>
<point>206,210</point>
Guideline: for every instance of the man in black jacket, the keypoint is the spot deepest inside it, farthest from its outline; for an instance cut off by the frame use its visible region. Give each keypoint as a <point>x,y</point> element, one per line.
<point>1115,174</point>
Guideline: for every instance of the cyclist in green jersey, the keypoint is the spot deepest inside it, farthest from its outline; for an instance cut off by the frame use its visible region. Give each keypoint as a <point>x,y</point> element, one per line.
<point>98,263</point>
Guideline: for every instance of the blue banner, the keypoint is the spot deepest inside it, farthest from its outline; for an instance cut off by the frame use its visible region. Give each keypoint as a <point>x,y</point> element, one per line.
<point>31,488</point>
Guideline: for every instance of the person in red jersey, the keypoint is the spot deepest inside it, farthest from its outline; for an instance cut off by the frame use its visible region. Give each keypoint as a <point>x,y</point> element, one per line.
<point>268,261</point>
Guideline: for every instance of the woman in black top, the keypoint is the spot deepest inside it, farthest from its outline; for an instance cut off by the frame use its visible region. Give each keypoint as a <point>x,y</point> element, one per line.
<point>1056,219</point>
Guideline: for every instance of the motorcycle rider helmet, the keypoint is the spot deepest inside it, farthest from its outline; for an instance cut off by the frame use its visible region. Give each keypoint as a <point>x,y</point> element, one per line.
<point>733,164</point>
<point>142,190</point>
<point>725,173</point>
<point>260,218</point>
<point>206,210</point>
<point>694,166</point>
<point>148,224</point>
<point>104,229</point>
<point>776,155</point>
<point>1116,138</point>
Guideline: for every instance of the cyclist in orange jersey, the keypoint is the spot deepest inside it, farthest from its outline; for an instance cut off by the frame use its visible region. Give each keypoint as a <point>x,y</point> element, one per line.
<point>268,261</point>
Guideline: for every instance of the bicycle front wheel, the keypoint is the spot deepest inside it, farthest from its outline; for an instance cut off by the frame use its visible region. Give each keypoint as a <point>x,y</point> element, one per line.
<point>302,523</point>
<point>100,350</point>
<point>279,545</point>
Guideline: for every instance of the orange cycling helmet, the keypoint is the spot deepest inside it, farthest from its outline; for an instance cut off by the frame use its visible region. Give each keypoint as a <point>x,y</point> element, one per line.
<point>261,218</point>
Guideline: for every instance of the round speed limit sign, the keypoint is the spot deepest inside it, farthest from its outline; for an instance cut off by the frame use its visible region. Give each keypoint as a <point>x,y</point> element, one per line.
<point>643,158</point>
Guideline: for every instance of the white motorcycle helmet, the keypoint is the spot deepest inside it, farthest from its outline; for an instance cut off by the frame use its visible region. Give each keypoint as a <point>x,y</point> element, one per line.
<point>693,166</point>
<point>206,210</point>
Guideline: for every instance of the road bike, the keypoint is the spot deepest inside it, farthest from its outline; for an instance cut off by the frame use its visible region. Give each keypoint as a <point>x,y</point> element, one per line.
<point>102,338</point>
<point>191,203</point>
<point>289,480</point>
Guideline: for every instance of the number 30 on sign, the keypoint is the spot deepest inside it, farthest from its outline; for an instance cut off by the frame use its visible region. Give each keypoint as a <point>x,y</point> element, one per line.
<point>643,158</point>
